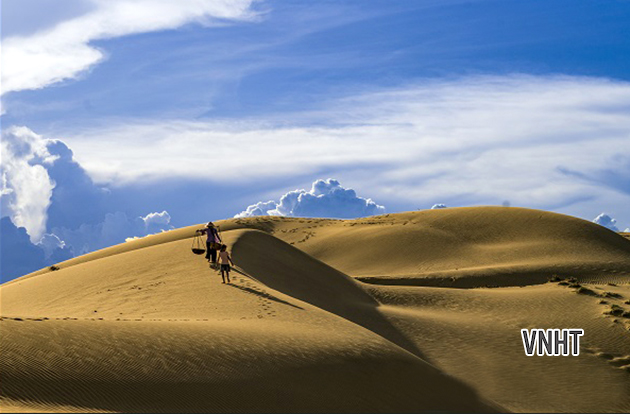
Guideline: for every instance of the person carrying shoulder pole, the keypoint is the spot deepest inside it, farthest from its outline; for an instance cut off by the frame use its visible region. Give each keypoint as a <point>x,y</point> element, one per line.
<point>213,242</point>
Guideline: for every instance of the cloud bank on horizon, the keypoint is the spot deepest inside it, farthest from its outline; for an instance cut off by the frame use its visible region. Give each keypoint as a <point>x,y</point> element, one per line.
<point>326,198</point>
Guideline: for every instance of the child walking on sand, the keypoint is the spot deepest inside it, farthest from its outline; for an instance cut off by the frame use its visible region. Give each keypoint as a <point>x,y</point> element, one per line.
<point>224,261</point>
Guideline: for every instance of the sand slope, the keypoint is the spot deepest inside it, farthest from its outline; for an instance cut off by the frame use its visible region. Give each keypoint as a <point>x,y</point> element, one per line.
<point>147,326</point>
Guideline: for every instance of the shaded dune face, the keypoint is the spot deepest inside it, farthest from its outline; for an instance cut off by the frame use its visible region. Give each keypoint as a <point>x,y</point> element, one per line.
<point>288,270</point>
<point>146,326</point>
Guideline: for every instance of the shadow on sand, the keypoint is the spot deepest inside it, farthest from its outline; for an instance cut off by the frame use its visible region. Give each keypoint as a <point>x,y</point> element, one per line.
<point>287,269</point>
<point>259,293</point>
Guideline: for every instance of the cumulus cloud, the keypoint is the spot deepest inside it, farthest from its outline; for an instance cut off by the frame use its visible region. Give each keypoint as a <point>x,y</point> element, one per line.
<point>327,198</point>
<point>49,243</point>
<point>75,198</point>
<point>51,208</point>
<point>64,51</point>
<point>261,208</point>
<point>436,206</point>
<point>43,186</point>
<point>26,185</point>
<point>606,221</point>
<point>156,222</point>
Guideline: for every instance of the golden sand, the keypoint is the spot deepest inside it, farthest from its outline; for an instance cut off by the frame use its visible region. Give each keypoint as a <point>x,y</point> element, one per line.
<point>410,312</point>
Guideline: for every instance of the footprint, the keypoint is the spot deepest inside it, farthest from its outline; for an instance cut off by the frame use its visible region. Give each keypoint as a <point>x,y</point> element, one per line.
<point>603,355</point>
<point>620,361</point>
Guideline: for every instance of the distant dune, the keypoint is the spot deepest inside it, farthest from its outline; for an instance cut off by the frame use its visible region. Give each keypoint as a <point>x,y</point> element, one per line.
<point>409,312</point>
<point>464,247</point>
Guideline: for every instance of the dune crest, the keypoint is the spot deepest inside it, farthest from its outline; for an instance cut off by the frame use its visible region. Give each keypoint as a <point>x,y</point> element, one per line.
<point>465,247</point>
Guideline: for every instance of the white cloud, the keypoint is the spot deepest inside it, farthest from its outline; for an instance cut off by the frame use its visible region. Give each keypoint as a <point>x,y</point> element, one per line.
<point>477,140</point>
<point>65,51</point>
<point>261,208</point>
<point>417,131</point>
<point>436,206</point>
<point>43,186</point>
<point>327,198</point>
<point>606,221</point>
<point>69,206</point>
<point>48,199</point>
<point>49,243</point>
<point>156,222</point>
<point>156,218</point>
<point>26,185</point>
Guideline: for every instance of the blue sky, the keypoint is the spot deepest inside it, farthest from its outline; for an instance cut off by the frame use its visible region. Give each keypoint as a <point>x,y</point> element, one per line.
<point>296,56</point>
<point>202,108</point>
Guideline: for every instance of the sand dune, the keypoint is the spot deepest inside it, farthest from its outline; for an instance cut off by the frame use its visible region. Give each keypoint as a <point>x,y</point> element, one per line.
<point>147,326</point>
<point>464,247</point>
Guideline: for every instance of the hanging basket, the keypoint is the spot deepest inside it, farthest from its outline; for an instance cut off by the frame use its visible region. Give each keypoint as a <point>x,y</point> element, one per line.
<point>215,246</point>
<point>198,245</point>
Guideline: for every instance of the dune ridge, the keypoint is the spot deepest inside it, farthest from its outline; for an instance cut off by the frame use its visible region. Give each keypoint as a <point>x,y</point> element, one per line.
<point>456,246</point>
